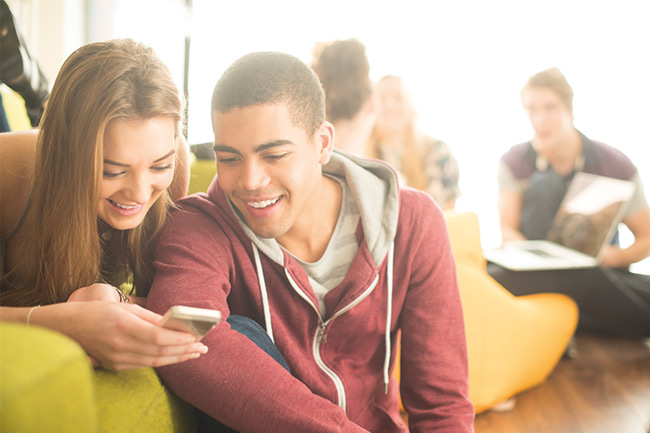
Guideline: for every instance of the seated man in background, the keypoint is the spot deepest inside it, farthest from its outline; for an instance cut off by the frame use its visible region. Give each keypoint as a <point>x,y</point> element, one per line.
<point>329,255</point>
<point>533,179</point>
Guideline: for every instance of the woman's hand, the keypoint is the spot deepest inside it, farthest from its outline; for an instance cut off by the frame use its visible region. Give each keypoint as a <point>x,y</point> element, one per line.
<point>95,292</point>
<point>125,336</point>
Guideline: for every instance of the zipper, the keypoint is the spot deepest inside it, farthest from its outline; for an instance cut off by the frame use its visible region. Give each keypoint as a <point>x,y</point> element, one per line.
<point>320,335</point>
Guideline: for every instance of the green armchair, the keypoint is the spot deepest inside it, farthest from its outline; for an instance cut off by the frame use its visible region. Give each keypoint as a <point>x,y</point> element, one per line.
<point>47,384</point>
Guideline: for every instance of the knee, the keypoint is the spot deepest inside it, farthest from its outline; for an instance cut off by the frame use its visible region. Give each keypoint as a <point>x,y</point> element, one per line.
<point>254,332</point>
<point>247,327</point>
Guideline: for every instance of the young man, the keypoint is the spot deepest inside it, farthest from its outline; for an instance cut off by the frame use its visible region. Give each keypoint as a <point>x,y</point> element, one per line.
<point>329,255</point>
<point>533,178</point>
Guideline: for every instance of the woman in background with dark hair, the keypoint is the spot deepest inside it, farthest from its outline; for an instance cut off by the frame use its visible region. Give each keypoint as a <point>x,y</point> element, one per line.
<point>342,68</point>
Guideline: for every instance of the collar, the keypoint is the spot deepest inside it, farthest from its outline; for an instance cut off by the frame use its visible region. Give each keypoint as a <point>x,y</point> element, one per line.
<point>586,158</point>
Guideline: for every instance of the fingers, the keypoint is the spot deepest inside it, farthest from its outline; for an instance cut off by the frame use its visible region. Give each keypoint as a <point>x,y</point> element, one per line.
<point>143,361</point>
<point>158,351</point>
<point>143,313</point>
<point>126,361</point>
<point>123,336</point>
<point>94,361</point>
<point>151,332</point>
<point>137,341</point>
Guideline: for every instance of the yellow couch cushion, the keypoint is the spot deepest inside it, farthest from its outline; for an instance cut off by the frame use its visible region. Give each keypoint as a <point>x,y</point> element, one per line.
<point>46,382</point>
<point>136,401</point>
<point>14,106</point>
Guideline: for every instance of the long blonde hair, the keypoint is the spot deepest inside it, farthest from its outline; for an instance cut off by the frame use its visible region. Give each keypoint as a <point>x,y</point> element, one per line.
<point>412,163</point>
<point>100,82</point>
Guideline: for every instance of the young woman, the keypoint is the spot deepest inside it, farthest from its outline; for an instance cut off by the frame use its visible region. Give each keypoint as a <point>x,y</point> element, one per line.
<point>83,199</point>
<point>425,162</point>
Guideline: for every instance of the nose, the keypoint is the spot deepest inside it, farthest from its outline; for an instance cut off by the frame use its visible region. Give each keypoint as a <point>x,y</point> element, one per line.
<point>537,119</point>
<point>253,176</point>
<point>141,188</point>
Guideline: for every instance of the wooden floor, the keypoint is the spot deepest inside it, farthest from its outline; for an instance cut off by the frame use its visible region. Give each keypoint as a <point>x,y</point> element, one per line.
<point>605,389</point>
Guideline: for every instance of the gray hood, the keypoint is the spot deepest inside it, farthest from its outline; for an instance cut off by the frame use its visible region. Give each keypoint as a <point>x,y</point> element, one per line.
<point>375,189</point>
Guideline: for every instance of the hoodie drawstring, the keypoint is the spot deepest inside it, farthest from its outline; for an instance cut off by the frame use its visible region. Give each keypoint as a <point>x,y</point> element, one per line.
<point>265,296</point>
<point>389,311</point>
<point>389,306</point>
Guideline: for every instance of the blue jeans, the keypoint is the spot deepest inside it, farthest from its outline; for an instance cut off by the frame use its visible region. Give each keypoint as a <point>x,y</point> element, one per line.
<point>257,334</point>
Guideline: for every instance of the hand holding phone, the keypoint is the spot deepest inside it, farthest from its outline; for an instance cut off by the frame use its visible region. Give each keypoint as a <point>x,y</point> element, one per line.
<point>196,321</point>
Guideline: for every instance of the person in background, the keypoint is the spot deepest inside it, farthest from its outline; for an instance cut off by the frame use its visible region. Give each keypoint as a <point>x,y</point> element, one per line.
<point>533,179</point>
<point>327,257</point>
<point>343,70</point>
<point>426,163</point>
<point>19,70</point>
<point>83,198</point>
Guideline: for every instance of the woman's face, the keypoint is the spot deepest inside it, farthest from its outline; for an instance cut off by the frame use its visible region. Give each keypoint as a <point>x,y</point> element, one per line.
<point>138,166</point>
<point>395,111</point>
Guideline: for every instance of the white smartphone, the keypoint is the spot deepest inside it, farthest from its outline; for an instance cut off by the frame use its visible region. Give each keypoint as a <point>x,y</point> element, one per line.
<point>196,321</point>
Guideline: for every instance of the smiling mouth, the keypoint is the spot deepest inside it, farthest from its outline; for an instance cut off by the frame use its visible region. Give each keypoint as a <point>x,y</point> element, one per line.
<point>124,206</point>
<point>262,204</point>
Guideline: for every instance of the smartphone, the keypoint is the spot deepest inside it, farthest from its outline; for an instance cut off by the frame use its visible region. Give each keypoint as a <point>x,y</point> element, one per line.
<point>196,321</point>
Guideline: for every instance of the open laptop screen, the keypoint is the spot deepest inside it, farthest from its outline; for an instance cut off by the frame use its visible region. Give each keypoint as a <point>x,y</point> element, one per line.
<point>590,211</point>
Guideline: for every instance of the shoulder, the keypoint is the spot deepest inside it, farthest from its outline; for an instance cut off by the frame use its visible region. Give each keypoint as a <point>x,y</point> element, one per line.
<point>603,159</point>
<point>417,209</point>
<point>196,218</point>
<point>193,212</point>
<point>520,159</point>
<point>429,144</point>
<point>422,231</point>
<point>17,155</point>
<point>17,159</point>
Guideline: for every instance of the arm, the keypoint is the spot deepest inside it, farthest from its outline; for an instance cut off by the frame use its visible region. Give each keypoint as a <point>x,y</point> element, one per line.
<point>181,181</point>
<point>434,371</point>
<point>235,382</point>
<point>639,225</point>
<point>119,336</point>
<point>103,292</point>
<point>442,173</point>
<point>510,203</point>
<point>17,156</point>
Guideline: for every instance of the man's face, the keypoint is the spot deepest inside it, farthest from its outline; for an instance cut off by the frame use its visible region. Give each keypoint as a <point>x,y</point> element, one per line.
<point>551,119</point>
<point>268,167</point>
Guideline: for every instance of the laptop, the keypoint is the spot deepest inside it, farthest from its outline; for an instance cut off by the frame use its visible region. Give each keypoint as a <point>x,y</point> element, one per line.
<point>584,225</point>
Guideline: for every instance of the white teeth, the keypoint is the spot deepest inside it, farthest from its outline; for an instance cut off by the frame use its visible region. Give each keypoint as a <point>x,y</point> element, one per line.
<point>123,206</point>
<point>262,204</point>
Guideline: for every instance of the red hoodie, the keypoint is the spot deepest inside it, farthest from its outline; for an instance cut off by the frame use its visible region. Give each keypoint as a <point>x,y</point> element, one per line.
<point>339,363</point>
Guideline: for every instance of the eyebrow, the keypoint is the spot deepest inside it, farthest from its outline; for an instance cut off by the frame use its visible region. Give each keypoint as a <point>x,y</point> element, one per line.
<point>119,164</point>
<point>258,149</point>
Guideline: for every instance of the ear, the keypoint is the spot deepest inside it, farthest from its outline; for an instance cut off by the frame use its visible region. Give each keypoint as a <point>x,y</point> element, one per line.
<point>325,141</point>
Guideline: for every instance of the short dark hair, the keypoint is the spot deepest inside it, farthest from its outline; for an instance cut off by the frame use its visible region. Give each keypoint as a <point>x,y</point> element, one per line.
<point>268,77</point>
<point>343,69</point>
